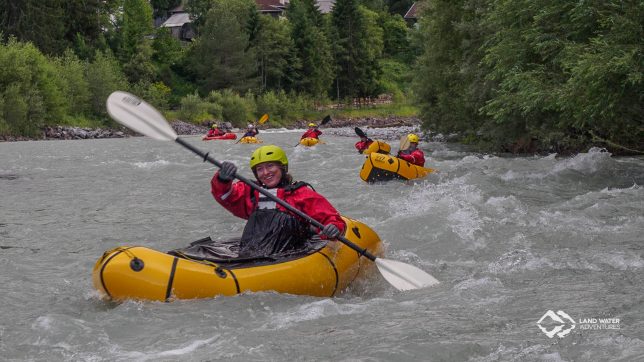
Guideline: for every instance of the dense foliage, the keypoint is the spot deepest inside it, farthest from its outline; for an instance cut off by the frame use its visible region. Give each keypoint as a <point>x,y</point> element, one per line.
<point>61,59</point>
<point>524,74</point>
<point>518,75</point>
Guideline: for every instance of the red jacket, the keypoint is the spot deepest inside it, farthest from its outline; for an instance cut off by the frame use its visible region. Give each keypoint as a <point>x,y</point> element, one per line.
<point>311,133</point>
<point>215,132</point>
<point>363,145</point>
<point>417,157</point>
<point>235,197</point>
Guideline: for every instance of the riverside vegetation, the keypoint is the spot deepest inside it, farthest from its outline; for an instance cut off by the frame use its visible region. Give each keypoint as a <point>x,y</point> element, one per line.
<point>518,76</point>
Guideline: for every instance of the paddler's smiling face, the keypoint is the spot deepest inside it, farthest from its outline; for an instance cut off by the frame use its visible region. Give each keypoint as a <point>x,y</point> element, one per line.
<point>269,173</point>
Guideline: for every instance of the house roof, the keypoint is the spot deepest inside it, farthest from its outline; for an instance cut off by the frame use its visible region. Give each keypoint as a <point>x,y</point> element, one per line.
<point>411,13</point>
<point>177,20</point>
<point>325,6</point>
<point>271,5</point>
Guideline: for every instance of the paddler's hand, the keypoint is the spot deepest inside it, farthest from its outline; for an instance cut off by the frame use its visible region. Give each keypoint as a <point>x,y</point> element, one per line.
<point>227,171</point>
<point>330,231</point>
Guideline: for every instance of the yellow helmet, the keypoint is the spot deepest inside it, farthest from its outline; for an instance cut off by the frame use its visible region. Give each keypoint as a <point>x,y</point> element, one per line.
<point>270,153</point>
<point>412,138</point>
<point>312,125</point>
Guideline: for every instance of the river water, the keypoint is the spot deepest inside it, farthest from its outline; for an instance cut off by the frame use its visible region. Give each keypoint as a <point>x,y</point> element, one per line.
<point>510,238</point>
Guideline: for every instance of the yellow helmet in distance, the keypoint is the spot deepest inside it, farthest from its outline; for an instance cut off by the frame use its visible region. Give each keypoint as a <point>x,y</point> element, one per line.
<point>412,138</point>
<point>312,125</point>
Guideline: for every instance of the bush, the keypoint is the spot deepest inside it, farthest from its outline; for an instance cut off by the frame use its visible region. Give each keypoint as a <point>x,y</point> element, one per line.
<point>157,94</point>
<point>283,107</point>
<point>194,109</point>
<point>234,109</point>
<point>104,76</point>
<point>395,79</point>
<point>75,87</point>
<point>30,88</point>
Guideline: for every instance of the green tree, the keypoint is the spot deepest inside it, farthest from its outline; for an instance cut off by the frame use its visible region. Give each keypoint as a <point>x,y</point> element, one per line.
<point>449,80</point>
<point>395,37</point>
<point>56,25</point>
<point>104,76</point>
<point>162,6</point>
<point>140,67</point>
<point>86,21</point>
<point>565,69</point>
<point>30,88</point>
<point>313,72</point>
<point>374,5</point>
<point>399,7</point>
<point>221,56</point>
<point>39,22</point>
<point>167,49</point>
<point>75,87</point>
<point>198,10</point>
<point>134,25</point>
<point>275,53</point>
<point>357,48</point>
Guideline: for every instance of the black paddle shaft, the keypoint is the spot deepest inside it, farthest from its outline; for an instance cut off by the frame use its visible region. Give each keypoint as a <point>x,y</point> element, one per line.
<point>263,191</point>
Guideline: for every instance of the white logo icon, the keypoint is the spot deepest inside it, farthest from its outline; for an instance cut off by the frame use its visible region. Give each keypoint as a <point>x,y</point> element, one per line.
<point>557,318</point>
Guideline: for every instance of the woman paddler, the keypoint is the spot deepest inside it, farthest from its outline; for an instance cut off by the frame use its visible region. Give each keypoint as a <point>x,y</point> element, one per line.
<point>271,229</point>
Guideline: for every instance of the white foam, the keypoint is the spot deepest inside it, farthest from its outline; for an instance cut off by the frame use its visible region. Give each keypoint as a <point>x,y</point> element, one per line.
<point>153,164</point>
<point>187,348</point>
<point>477,284</point>
<point>311,311</point>
<point>192,346</point>
<point>503,353</point>
<point>42,323</point>
<point>584,162</point>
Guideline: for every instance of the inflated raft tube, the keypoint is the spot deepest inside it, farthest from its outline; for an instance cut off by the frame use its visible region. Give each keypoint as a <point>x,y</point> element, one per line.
<point>377,146</point>
<point>309,141</point>
<point>382,167</point>
<point>135,272</point>
<point>227,136</point>
<point>249,139</point>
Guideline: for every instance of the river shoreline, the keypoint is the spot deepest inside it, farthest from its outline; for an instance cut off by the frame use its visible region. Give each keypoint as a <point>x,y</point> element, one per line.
<point>387,128</point>
<point>185,128</point>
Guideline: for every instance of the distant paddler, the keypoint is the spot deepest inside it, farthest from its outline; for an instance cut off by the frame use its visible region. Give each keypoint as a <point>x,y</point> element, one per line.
<point>364,142</point>
<point>410,152</point>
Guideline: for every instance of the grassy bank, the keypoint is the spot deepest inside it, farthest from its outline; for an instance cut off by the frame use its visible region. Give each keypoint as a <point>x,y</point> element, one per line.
<point>375,111</point>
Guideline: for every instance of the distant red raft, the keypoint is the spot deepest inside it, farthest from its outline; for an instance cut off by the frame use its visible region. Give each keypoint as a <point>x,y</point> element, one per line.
<point>227,136</point>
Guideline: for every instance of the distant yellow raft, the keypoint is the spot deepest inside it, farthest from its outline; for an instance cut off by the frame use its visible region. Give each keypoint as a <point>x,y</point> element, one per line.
<point>309,141</point>
<point>249,139</point>
<point>383,167</point>
<point>145,274</point>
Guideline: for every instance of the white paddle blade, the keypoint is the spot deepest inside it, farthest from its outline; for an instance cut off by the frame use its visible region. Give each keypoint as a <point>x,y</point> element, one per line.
<point>137,115</point>
<point>404,143</point>
<point>404,276</point>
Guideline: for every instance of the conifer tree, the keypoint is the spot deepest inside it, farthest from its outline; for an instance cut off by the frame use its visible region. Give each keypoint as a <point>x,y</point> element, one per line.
<point>134,25</point>
<point>312,48</point>
<point>357,47</point>
<point>275,53</point>
<point>221,56</point>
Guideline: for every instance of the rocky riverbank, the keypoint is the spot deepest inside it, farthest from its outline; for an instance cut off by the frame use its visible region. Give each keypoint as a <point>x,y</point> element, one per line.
<point>385,122</point>
<point>77,133</point>
<point>388,128</point>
